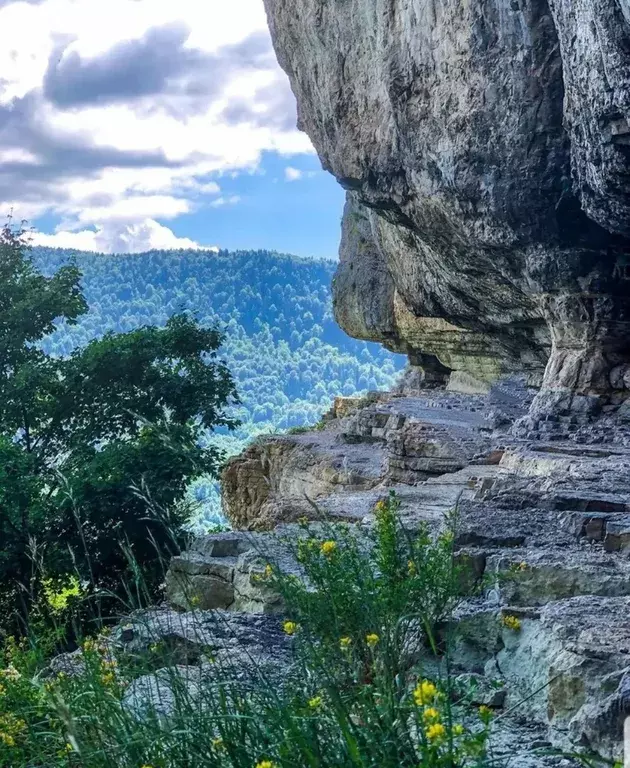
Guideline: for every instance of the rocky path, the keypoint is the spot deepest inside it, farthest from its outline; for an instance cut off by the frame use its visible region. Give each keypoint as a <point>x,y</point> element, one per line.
<point>546,522</point>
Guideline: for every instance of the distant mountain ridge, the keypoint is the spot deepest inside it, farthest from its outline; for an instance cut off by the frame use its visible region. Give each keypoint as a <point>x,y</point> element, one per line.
<point>287,354</point>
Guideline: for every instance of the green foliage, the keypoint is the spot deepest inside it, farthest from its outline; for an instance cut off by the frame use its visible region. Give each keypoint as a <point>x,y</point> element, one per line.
<point>382,581</point>
<point>288,356</point>
<point>82,437</point>
<point>352,697</point>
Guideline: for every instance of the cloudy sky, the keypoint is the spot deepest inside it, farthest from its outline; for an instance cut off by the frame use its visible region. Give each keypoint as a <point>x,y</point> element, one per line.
<point>134,124</point>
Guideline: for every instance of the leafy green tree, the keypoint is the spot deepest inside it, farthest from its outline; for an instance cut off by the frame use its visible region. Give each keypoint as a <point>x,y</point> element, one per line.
<point>98,448</point>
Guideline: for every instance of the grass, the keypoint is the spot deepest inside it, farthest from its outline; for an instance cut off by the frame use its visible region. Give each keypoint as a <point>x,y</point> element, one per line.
<point>368,684</point>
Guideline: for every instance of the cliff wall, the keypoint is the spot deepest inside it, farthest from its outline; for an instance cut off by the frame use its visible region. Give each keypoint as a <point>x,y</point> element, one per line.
<point>485,147</point>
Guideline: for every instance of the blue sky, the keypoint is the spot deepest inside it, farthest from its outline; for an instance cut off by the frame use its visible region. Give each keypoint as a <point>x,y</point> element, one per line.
<point>137,124</point>
<point>300,216</point>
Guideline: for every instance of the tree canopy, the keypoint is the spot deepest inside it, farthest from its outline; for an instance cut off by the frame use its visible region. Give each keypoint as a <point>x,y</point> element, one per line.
<point>97,447</point>
<point>288,356</point>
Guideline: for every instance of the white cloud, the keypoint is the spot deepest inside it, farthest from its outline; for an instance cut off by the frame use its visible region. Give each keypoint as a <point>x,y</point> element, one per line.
<point>118,237</point>
<point>221,201</point>
<point>295,174</point>
<point>88,142</point>
<point>292,174</point>
<point>131,209</point>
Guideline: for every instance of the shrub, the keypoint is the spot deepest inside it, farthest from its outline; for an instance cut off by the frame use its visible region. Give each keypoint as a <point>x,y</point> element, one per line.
<point>368,685</point>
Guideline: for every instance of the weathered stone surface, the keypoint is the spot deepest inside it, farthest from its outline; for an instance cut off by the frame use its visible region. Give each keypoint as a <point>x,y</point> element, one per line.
<point>484,147</point>
<point>545,522</point>
<point>566,667</point>
<point>226,571</point>
<point>227,638</point>
<point>277,479</point>
<point>385,438</point>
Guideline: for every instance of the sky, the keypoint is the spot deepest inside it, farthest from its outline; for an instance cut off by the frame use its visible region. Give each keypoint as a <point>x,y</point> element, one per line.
<point>127,125</point>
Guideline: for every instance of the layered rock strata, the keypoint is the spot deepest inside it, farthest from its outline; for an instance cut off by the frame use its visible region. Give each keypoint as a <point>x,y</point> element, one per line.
<point>545,522</point>
<point>485,148</point>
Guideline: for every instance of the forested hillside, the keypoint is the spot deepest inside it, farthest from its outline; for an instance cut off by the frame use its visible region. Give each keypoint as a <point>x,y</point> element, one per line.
<point>287,354</point>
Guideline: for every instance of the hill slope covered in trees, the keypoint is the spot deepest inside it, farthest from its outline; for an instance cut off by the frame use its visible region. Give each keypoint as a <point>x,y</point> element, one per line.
<point>286,352</point>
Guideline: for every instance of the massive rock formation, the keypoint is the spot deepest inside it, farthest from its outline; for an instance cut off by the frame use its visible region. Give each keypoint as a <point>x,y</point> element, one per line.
<point>485,147</point>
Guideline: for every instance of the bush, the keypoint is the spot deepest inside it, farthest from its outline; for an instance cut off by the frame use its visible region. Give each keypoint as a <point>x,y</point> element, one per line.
<point>368,685</point>
<point>83,437</point>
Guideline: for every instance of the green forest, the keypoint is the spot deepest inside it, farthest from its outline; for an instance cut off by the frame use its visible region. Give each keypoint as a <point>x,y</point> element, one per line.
<point>287,355</point>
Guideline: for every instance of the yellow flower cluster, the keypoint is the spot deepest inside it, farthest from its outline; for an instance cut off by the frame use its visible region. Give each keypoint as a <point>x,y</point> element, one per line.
<point>425,693</point>
<point>372,639</point>
<point>315,702</point>
<point>511,622</point>
<point>11,728</point>
<point>328,547</point>
<point>345,643</point>
<point>266,764</point>
<point>430,714</point>
<point>108,671</point>
<point>290,627</point>
<point>435,732</point>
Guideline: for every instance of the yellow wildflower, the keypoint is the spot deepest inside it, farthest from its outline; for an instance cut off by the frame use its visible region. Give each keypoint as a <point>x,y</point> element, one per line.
<point>328,547</point>
<point>411,568</point>
<point>511,622</point>
<point>458,729</point>
<point>380,507</point>
<point>65,751</point>
<point>108,678</point>
<point>3,690</point>
<point>430,714</point>
<point>266,764</point>
<point>194,601</point>
<point>7,739</point>
<point>217,743</point>
<point>147,766</point>
<point>372,639</point>
<point>435,732</point>
<point>485,712</point>
<point>345,643</point>
<point>268,571</point>
<point>315,702</point>
<point>289,627</point>
<point>425,692</point>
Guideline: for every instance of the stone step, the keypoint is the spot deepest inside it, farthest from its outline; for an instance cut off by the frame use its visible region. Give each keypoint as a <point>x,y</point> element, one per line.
<point>530,577</point>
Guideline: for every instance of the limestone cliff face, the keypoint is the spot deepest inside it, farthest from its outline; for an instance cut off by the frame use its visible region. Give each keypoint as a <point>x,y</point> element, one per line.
<point>485,147</point>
